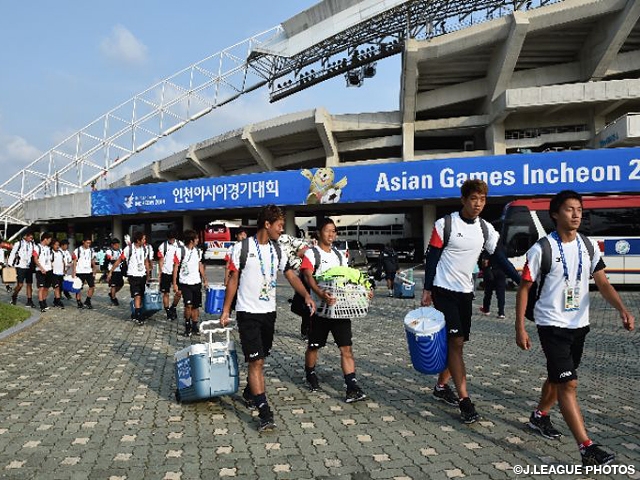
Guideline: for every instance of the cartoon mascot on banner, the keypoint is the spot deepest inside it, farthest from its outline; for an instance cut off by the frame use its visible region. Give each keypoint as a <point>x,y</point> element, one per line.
<point>322,188</point>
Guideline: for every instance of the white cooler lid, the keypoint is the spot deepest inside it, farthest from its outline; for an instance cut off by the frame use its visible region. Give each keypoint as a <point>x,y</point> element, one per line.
<point>424,321</point>
<point>195,349</point>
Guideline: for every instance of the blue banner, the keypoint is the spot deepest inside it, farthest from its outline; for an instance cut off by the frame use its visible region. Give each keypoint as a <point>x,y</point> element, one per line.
<point>586,171</point>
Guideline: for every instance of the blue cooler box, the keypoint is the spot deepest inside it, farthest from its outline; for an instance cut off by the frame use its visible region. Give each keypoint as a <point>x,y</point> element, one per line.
<point>215,299</point>
<point>403,289</point>
<point>427,339</point>
<point>206,370</point>
<point>151,303</point>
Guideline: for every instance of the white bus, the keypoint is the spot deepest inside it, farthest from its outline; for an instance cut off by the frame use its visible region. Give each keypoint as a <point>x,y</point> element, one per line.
<point>613,221</point>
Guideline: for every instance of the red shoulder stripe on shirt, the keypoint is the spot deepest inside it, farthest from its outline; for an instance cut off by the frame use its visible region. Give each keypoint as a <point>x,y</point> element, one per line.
<point>232,267</point>
<point>435,241</point>
<point>526,273</point>
<point>306,264</point>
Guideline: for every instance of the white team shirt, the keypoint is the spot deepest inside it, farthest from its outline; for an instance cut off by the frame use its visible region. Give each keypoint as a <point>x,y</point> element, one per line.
<point>113,255</point>
<point>455,268</point>
<point>328,260</point>
<point>24,250</point>
<point>2,256</point>
<point>68,260</point>
<point>251,279</point>
<point>58,263</point>
<point>189,270</point>
<point>549,309</point>
<point>135,257</point>
<point>166,250</point>
<point>83,257</point>
<point>43,254</point>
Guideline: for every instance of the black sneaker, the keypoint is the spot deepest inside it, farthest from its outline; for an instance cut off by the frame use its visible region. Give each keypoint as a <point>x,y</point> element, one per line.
<point>67,295</point>
<point>30,304</point>
<point>44,309</point>
<point>187,329</point>
<point>543,425</point>
<point>114,300</point>
<point>247,397</point>
<point>87,304</point>
<point>594,455</point>
<point>312,382</point>
<point>60,305</point>
<point>468,412</point>
<point>80,305</point>
<point>266,420</point>
<point>14,300</point>
<point>445,395</point>
<point>355,395</point>
<point>9,288</point>
<point>194,328</point>
<point>139,321</point>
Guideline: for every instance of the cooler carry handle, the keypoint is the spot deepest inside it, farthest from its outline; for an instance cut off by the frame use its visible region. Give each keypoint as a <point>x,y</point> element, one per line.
<point>207,328</point>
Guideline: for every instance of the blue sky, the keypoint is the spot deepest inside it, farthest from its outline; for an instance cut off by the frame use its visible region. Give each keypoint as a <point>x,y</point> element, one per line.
<point>64,64</point>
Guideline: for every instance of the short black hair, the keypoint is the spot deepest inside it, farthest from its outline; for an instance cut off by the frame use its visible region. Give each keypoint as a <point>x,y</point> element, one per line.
<point>64,241</point>
<point>114,241</point>
<point>561,197</point>
<point>271,214</point>
<point>172,234</point>
<point>45,235</point>
<point>190,236</point>
<point>323,223</point>
<point>138,236</point>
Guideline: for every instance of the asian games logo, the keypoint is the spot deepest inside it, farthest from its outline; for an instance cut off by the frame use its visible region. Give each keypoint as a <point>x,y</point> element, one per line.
<point>622,247</point>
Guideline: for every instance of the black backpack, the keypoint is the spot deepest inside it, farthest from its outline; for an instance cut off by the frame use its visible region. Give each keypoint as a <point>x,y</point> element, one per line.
<point>244,254</point>
<point>297,303</point>
<point>447,231</point>
<point>545,268</point>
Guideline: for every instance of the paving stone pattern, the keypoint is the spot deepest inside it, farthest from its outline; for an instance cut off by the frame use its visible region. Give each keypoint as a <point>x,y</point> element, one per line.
<point>88,395</point>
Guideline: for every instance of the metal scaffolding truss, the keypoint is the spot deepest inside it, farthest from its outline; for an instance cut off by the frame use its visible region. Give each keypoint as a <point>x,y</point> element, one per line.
<point>86,156</point>
<point>378,38</point>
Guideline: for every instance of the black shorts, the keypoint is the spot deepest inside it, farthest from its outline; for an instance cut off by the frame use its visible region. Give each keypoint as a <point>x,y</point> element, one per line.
<point>191,294</point>
<point>563,348</point>
<point>319,328</point>
<point>137,286</point>
<point>87,278</point>
<point>166,282</point>
<point>25,275</point>
<point>44,280</point>
<point>56,281</point>
<point>117,280</point>
<point>256,334</point>
<point>457,310</point>
<point>390,276</point>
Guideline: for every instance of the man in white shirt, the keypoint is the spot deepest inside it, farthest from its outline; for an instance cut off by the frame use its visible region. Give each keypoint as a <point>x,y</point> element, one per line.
<point>327,256</point>
<point>166,255</point>
<point>241,234</point>
<point>188,276</point>
<point>451,258</point>
<point>58,267</point>
<point>116,281</point>
<point>561,314</point>
<point>20,257</point>
<point>254,279</point>
<point>68,261</point>
<point>138,272</point>
<point>43,261</point>
<point>84,266</point>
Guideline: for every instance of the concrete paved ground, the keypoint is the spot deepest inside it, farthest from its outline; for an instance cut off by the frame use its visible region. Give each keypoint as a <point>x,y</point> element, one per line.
<point>88,395</point>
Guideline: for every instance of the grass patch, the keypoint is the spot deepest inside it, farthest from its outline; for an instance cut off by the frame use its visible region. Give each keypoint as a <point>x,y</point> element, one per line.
<point>11,315</point>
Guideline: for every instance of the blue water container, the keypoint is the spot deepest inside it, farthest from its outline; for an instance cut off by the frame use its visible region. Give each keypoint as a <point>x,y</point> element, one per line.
<point>427,339</point>
<point>215,299</point>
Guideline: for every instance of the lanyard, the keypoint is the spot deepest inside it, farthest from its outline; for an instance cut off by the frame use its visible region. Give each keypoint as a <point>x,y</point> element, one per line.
<point>264,275</point>
<point>555,235</point>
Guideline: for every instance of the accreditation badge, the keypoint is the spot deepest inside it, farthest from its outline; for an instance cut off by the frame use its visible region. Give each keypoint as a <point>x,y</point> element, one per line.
<point>571,298</point>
